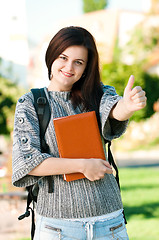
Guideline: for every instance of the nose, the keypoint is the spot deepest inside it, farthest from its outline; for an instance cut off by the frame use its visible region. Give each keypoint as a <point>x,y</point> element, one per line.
<point>69,66</point>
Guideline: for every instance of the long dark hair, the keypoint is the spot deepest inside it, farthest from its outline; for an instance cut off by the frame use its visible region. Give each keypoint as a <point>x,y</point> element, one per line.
<point>87,91</point>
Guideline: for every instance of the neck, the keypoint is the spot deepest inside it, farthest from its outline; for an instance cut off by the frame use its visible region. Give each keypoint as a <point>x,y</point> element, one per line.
<point>52,87</point>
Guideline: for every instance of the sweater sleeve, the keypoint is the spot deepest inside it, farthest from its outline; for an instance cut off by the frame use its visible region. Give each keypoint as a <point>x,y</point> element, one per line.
<point>111,128</point>
<point>26,153</point>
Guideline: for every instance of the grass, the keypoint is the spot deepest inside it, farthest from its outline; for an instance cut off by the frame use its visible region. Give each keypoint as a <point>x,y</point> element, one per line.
<point>140,194</point>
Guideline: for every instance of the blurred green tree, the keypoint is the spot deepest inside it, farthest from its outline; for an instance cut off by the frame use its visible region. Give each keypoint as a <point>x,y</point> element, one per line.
<point>9,92</point>
<point>94,5</point>
<point>117,74</point>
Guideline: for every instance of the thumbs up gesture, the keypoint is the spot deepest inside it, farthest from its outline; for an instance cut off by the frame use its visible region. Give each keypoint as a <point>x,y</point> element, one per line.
<point>134,98</point>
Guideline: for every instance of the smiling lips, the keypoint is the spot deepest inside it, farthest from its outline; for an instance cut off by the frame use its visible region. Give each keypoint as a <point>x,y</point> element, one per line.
<point>66,74</point>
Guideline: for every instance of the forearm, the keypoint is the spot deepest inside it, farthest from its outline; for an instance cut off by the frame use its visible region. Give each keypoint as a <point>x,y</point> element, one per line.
<point>120,112</point>
<point>57,166</point>
<point>92,168</point>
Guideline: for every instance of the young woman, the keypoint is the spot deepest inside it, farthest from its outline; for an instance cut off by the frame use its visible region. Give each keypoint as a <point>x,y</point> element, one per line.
<point>89,208</point>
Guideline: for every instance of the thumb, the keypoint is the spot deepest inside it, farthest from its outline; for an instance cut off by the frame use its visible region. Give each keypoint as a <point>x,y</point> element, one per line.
<point>130,83</point>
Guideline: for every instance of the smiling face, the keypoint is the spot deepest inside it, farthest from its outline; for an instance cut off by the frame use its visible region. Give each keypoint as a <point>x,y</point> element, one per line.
<point>68,68</point>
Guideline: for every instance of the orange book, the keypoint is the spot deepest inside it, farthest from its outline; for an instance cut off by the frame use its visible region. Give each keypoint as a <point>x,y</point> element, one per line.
<point>78,136</point>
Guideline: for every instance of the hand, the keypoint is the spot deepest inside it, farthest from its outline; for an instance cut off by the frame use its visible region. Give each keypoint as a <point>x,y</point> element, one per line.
<point>134,98</point>
<point>95,169</point>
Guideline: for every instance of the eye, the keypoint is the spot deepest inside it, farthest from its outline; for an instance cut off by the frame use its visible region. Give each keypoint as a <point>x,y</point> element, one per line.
<point>63,57</point>
<point>78,62</point>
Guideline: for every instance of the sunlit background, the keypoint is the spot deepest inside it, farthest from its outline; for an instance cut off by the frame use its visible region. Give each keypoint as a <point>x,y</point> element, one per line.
<point>27,26</point>
<point>127,37</point>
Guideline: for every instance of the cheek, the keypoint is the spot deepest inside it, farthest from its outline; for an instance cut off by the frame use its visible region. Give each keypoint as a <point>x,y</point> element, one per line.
<point>55,66</point>
<point>81,71</point>
<point>79,75</point>
<point>52,68</point>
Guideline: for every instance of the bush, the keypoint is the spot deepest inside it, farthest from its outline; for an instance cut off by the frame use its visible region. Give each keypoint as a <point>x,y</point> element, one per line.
<point>152,92</point>
<point>9,93</point>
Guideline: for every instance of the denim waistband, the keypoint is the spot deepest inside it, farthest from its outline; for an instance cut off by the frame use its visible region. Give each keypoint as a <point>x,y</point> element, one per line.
<point>91,228</point>
<point>98,218</point>
<point>84,222</point>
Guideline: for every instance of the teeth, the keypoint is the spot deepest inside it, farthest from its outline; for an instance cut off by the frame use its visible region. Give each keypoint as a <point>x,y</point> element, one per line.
<point>67,74</point>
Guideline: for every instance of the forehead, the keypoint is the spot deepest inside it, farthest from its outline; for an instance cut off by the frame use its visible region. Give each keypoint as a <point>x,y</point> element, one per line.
<point>77,52</point>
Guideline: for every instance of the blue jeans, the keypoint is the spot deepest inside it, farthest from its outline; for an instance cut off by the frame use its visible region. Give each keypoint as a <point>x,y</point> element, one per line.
<point>52,229</point>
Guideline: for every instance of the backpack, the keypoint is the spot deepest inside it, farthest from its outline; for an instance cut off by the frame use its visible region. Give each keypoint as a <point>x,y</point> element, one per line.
<point>43,111</point>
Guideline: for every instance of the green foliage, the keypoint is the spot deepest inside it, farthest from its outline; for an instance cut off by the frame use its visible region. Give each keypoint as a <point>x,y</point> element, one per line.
<point>117,74</point>
<point>152,92</point>
<point>143,42</point>
<point>23,239</point>
<point>9,93</point>
<point>94,5</point>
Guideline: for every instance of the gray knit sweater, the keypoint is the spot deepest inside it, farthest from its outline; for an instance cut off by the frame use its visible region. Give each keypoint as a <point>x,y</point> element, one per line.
<point>76,199</point>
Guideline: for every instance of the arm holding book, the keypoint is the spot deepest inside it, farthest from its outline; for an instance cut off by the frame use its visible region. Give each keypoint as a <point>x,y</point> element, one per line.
<point>93,169</point>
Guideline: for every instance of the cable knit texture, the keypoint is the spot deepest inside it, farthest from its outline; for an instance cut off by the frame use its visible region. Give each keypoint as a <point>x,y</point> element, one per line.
<point>76,199</point>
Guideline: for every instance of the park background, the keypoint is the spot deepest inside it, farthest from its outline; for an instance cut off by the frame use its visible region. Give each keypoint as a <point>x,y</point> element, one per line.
<point>127,37</point>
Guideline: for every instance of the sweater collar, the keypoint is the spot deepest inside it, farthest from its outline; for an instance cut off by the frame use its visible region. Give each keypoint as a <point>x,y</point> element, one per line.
<point>62,95</point>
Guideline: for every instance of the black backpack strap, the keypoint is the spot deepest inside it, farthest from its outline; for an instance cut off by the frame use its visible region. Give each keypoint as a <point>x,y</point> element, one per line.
<point>27,213</point>
<point>42,108</point>
<point>112,162</point>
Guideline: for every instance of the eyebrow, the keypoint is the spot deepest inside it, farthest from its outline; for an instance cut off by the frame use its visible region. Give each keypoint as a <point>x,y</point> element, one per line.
<point>79,59</point>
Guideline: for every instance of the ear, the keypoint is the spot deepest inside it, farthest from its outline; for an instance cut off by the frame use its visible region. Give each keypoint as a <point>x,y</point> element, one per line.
<point>50,76</point>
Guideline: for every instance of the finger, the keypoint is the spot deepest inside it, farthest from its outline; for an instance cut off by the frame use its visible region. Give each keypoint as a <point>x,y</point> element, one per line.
<point>109,171</point>
<point>138,95</point>
<point>130,83</point>
<point>141,104</point>
<point>107,164</point>
<point>136,90</point>
<point>139,100</point>
<point>108,168</point>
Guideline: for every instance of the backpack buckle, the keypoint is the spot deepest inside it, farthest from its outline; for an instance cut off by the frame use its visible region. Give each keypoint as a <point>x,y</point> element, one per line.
<point>41,101</point>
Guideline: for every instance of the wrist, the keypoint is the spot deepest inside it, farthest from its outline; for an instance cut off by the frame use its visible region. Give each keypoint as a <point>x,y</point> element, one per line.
<point>126,111</point>
<point>121,111</point>
<point>81,165</point>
